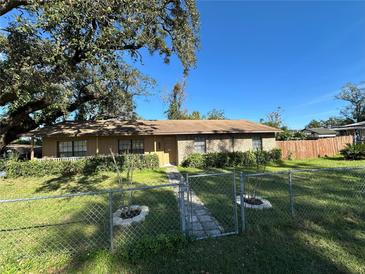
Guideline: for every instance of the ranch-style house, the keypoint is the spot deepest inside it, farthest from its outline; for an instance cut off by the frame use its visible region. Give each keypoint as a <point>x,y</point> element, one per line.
<point>171,140</point>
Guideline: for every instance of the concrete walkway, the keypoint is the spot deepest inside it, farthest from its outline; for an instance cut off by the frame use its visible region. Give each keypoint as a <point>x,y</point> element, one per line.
<point>203,224</point>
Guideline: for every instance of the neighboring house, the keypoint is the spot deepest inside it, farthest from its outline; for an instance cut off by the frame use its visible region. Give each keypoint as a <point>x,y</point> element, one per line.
<point>171,140</point>
<point>357,130</point>
<point>318,133</point>
<point>24,151</point>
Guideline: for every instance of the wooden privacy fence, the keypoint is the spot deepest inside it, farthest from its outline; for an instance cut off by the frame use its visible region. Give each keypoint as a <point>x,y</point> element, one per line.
<point>306,149</point>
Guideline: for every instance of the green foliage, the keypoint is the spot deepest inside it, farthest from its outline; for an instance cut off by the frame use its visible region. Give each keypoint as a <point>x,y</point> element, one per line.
<point>330,122</point>
<point>276,155</point>
<point>195,115</point>
<point>354,95</point>
<point>15,168</point>
<point>152,246</point>
<point>273,119</point>
<point>2,164</point>
<point>61,57</point>
<point>196,160</point>
<point>288,134</point>
<point>216,114</point>
<point>175,101</point>
<point>353,151</point>
<point>232,159</point>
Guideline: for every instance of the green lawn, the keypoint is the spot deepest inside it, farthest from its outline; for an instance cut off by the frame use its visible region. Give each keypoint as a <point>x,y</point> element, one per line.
<point>327,235</point>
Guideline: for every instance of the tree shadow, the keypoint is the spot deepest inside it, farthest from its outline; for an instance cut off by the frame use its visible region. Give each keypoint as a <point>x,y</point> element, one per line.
<point>79,225</point>
<point>72,184</point>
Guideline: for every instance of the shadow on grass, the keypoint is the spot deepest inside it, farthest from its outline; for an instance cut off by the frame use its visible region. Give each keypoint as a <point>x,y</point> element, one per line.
<point>82,225</point>
<point>265,251</point>
<point>329,213</point>
<point>72,184</point>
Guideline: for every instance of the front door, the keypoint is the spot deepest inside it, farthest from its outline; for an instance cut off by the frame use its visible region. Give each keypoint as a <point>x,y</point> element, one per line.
<point>170,149</point>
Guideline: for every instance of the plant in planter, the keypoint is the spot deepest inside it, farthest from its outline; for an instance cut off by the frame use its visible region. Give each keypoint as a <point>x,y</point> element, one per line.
<point>128,213</point>
<point>251,200</point>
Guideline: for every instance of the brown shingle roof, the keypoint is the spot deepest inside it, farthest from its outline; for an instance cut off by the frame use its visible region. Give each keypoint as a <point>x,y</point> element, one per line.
<point>151,127</point>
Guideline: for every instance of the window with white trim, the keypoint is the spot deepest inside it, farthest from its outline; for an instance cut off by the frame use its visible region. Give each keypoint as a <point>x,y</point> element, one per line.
<point>199,144</point>
<point>72,148</point>
<point>256,143</point>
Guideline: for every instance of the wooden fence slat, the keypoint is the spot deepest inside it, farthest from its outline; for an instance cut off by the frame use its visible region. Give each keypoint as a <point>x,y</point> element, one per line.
<point>306,149</point>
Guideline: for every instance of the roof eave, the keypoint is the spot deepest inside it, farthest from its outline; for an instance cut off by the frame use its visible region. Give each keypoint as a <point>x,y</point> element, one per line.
<point>35,134</point>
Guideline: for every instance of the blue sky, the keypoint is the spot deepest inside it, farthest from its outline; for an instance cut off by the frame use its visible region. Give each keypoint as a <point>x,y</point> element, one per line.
<point>257,56</point>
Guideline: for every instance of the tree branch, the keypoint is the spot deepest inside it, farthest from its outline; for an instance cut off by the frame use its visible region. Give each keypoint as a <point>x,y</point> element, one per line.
<point>8,5</point>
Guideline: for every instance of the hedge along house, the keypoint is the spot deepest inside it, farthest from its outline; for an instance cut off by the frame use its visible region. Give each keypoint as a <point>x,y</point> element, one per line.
<point>171,140</point>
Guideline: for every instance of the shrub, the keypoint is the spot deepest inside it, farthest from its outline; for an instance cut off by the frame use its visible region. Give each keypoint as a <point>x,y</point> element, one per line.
<point>232,159</point>
<point>276,155</point>
<point>353,151</point>
<point>194,160</point>
<point>16,168</point>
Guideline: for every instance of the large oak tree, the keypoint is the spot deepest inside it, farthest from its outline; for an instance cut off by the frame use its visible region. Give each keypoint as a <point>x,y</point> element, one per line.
<point>76,56</point>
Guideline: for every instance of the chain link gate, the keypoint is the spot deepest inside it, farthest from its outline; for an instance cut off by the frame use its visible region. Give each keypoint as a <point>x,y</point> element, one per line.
<point>211,205</point>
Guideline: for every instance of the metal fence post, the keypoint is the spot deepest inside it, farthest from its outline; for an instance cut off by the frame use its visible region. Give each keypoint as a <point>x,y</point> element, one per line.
<point>291,195</point>
<point>188,214</point>
<point>235,202</point>
<point>111,224</point>
<point>182,205</point>
<point>242,200</point>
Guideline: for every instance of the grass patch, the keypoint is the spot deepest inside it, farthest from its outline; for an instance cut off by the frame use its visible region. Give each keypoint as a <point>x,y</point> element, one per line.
<point>327,237</point>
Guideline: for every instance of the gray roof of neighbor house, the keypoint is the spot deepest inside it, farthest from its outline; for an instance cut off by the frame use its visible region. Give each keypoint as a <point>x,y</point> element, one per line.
<point>321,131</point>
<point>351,126</point>
<point>151,127</point>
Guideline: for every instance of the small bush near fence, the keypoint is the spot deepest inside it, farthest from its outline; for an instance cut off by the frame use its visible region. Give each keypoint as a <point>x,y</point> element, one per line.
<point>353,151</point>
<point>232,159</point>
<point>16,168</point>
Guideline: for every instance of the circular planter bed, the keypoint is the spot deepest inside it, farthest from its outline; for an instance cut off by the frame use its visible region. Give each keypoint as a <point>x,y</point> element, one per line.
<point>125,217</point>
<point>254,203</point>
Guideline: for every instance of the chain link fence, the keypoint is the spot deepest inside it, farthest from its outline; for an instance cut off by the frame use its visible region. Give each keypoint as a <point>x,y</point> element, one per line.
<point>79,223</point>
<point>327,197</point>
<point>200,206</point>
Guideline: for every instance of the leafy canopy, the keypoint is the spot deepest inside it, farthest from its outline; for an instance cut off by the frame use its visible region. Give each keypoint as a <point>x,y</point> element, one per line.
<point>61,57</point>
<point>354,95</point>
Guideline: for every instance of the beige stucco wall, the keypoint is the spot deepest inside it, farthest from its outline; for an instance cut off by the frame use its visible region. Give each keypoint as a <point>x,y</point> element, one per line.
<point>185,146</point>
<point>170,149</point>
<point>223,142</point>
<point>219,143</point>
<point>269,143</point>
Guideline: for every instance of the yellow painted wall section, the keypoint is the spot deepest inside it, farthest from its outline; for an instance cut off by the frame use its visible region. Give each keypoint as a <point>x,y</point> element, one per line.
<point>49,146</point>
<point>165,146</point>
